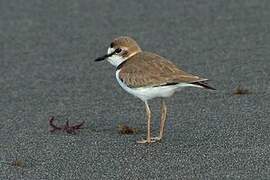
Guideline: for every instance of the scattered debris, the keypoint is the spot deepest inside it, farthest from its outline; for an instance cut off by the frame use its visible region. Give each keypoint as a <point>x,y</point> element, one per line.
<point>124,129</point>
<point>17,163</point>
<point>241,91</point>
<point>70,129</point>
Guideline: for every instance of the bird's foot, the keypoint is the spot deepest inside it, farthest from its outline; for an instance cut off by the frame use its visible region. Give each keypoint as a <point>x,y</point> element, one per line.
<point>143,141</point>
<point>156,139</point>
<point>149,141</point>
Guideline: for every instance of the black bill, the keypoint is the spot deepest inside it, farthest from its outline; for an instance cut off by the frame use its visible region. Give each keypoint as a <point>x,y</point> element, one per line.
<point>105,56</point>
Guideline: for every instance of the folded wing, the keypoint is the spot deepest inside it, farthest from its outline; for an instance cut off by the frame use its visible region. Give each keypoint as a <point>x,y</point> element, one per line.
<point>148,69</point>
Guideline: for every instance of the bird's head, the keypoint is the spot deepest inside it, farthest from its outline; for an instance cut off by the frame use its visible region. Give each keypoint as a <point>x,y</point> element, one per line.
<point>120,49</point>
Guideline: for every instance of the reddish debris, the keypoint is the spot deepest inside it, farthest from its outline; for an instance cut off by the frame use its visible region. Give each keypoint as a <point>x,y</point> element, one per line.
<point>124,129</point>
<point>66,128</point>
<point>241,91</point>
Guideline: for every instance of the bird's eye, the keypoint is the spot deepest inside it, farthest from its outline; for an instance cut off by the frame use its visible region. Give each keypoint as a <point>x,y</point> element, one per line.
<point>118,50</point>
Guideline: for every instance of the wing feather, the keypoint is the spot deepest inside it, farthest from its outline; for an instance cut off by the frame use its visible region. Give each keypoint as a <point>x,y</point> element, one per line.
<point>148,69</point>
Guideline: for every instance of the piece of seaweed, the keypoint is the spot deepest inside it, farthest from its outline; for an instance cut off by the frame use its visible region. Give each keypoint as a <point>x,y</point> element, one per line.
<point>70,129</point>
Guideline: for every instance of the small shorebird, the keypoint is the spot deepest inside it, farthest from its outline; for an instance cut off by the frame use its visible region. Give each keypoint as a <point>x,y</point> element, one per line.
<point>147,75</point>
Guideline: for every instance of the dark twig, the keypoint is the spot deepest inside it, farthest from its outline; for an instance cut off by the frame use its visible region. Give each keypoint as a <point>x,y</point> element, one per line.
<point>241,91</point>
<point>71,129</point>
<point>17,163</point>
<point>54,127</point>
<point>124,129</point>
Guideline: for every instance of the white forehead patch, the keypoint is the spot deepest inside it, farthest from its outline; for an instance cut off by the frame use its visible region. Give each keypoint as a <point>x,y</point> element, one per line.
<point>115,59</point>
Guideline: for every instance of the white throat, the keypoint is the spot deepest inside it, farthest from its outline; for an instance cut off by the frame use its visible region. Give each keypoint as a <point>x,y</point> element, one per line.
<point>115,60</point>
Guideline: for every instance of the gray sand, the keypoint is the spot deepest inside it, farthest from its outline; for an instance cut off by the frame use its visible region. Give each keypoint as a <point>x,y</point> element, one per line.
<point>47,50</point>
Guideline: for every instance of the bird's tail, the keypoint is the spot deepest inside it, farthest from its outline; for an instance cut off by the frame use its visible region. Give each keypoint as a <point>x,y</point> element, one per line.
<point>203,84</point>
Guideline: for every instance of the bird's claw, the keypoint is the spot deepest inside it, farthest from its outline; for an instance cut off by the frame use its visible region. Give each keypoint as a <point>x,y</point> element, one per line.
<point>149,141</point>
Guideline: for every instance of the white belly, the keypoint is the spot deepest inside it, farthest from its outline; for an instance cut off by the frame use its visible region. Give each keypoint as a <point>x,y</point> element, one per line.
<point>146,93</point>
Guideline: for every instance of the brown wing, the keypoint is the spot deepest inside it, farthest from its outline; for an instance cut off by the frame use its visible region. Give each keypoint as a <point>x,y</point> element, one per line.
<point>148,69</point>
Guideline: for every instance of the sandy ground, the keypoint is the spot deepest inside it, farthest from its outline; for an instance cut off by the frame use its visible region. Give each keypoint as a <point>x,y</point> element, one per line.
<point>47,50</point>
